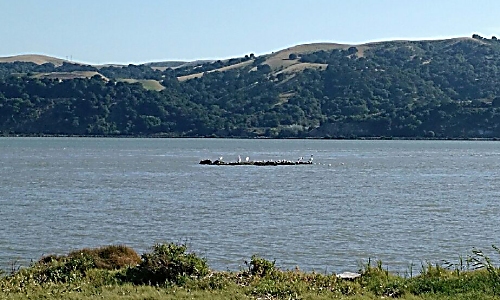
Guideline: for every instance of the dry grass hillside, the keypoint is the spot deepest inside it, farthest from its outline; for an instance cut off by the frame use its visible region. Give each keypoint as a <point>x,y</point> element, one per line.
<point>162,66</point>
<point>198,75</point>
<point>278,61</point>
<point>34,58</point>
<point>68,75</point>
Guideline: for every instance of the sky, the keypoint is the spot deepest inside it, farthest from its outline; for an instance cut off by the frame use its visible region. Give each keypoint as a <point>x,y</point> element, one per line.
<point>126,31</point>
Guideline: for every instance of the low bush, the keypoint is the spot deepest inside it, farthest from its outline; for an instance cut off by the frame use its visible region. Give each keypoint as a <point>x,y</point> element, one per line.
<point>75,266</point>
<point>169,270</point>
<point>64,269</point>
<point>261,267</point>
<point>168,263</point>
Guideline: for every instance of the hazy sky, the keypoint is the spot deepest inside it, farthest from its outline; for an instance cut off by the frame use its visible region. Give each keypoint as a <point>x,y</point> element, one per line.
<point>113,31</point>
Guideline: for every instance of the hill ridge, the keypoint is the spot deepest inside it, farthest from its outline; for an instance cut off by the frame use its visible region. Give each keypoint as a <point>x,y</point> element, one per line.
<point>398,89</point>
<point>299,48</point>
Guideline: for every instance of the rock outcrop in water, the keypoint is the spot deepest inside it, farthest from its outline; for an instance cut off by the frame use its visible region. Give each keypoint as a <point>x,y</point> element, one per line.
<point>255,163</point>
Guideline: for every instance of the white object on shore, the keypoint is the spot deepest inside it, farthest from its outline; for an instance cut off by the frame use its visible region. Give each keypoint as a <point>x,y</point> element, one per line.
<point>348,275</point>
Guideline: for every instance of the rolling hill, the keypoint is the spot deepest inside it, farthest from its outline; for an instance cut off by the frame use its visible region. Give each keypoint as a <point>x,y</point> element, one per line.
<point>33,58</point>
<point>406,89</point>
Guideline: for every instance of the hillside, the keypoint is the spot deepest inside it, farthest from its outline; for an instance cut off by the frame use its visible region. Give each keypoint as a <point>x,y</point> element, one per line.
<point>406,89</point>
<point>33,58</point>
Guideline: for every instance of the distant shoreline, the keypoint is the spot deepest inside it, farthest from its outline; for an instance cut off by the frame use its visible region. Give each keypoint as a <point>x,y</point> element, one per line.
<point>382,138</point>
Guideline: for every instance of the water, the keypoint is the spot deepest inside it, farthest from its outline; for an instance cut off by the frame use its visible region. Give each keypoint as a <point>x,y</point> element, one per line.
<point>404,202</point>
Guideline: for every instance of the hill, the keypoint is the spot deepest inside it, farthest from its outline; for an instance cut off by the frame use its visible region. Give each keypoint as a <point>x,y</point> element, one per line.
<point>394,89</point>
<point>33,58</point>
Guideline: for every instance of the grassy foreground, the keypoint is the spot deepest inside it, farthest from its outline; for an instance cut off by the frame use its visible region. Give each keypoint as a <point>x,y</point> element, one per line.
<point>169,271</point>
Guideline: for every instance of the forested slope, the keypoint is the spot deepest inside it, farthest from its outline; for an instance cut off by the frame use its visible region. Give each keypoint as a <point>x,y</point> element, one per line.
<point>435,89</point>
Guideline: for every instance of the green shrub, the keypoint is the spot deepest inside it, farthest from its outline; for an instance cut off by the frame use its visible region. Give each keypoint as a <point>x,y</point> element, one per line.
<point>52,269</point>
<point>261,267</point>
<point>75,265</point>
<point>168,263</point>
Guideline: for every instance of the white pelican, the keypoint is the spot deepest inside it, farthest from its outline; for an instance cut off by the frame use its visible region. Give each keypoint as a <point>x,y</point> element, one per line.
<point>239,159</point>
<point>247,159</point>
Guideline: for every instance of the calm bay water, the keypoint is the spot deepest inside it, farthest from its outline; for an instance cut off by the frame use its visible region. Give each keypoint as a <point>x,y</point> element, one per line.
<point>402,202</point>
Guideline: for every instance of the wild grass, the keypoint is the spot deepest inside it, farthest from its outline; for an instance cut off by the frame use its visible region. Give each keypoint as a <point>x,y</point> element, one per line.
<point>110,257</point>
<point>170,271</point>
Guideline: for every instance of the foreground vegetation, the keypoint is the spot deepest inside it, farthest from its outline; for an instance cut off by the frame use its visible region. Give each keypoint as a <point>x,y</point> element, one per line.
<point>169,271</point>
<point>415,89</point>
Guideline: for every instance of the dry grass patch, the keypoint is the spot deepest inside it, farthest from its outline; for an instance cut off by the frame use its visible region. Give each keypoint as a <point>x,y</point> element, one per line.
<point>226,68</point>
<point>190,76</point>
<point>235,66</point>
<point>69,75</point>
<point>111,257</point>
<point>34,58</point>
<point>302,66</point>
<point>308,48</point>
<point>148,84</point>
<point>280,59</point>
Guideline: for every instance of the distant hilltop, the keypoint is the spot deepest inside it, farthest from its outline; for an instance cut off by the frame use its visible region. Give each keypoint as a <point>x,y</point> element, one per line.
<point>298,49</point>
<point>394,89</point>
<point>279,60</point>
<point>33,58</point>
